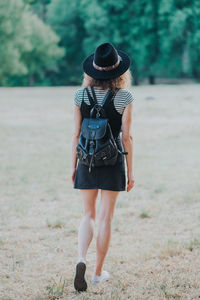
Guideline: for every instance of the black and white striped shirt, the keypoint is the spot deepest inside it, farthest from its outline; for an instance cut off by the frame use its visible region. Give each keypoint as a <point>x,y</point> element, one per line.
<point>122,99</point>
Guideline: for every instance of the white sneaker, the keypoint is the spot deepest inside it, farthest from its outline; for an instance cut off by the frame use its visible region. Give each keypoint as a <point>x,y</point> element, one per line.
<point>99,279</point>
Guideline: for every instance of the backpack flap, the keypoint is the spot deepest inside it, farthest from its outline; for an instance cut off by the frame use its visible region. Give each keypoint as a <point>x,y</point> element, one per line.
<point>94,128</point>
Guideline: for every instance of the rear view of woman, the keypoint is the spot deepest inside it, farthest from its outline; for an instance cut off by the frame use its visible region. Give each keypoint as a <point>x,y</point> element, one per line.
<point>105,70</point>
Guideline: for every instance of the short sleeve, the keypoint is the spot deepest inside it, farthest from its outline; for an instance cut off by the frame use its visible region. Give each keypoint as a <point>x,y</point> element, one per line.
<point>129,98</point>
<point>77,97</point>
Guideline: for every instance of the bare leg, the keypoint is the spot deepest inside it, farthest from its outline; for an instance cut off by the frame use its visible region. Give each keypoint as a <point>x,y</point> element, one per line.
<point>86,228</point>
<point>107,205</point>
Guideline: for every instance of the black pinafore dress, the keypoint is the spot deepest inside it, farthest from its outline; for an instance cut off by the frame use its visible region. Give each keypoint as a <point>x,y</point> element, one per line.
<point>111,178</point>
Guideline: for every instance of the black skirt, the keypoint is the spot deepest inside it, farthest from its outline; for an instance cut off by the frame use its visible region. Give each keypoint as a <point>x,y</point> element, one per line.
<point>111,178</point>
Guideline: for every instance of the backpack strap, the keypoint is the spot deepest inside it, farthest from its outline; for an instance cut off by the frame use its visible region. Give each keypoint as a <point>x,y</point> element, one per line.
<point>94,95</point>
<point>91,100</point>
<point>108,96</point>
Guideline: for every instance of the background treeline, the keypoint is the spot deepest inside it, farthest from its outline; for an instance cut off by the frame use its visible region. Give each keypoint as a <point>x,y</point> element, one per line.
<point>43,42</point>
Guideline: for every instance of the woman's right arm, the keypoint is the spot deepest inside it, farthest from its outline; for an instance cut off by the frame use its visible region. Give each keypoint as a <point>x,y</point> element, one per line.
<point>127,141</point>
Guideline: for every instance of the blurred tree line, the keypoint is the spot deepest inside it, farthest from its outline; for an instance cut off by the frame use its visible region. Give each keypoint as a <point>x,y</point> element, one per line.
<point>43,42</point>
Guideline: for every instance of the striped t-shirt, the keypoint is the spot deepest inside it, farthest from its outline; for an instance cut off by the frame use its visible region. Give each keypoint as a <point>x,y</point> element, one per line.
<point>121,100</point>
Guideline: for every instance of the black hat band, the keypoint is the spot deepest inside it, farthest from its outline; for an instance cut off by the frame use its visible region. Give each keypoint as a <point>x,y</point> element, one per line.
<point>108,68</point>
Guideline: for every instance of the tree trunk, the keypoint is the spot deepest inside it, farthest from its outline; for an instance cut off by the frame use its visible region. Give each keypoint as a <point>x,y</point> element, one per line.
<point>31,80</point>
<point>135,80</point>
<point>196,74</point>
<point>44,12</point>
<point>151,79</point>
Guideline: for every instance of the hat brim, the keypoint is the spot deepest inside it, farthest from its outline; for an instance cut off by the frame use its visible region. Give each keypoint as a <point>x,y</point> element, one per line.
<point>94,73</point>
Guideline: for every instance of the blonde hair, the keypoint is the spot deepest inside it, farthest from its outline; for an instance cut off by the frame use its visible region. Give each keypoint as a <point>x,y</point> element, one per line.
<point>121,82</point>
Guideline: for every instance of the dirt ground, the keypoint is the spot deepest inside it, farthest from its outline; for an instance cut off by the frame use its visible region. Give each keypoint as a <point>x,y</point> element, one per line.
<point>155,246</point>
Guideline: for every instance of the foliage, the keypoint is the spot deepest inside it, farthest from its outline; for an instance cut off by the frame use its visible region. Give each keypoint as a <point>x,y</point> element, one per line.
<point>161,37</point>
<point>28,47</point>
<point>64,16</point>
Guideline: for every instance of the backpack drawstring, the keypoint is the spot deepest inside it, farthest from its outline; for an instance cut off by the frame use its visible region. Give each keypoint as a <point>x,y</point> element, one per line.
<point>90,165</point>
<point>91,152</point>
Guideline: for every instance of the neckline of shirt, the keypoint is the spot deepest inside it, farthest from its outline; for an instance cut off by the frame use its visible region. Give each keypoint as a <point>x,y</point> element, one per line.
<point>100,89</point>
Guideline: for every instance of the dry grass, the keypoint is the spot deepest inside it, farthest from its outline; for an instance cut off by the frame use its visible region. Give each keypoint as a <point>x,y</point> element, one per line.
<point>154,251</point>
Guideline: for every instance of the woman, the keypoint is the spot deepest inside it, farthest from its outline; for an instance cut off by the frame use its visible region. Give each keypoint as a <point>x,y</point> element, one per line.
<point>106,69</point>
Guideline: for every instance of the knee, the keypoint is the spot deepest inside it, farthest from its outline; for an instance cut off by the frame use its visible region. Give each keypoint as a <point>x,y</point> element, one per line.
<point>90,215</point>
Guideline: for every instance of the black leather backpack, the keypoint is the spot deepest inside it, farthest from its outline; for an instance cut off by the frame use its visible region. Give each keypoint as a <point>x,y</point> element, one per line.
<point>97,146</point>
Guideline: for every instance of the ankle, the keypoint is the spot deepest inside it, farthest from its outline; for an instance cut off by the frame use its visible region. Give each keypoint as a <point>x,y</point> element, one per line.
<point>97,272</point>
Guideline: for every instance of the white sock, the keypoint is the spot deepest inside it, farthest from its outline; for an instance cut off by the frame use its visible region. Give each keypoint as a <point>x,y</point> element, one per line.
<point>81,259</point>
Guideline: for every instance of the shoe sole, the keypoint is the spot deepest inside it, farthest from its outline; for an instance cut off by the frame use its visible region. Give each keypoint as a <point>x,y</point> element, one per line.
<point>80,283</point>
<point>99,282</point>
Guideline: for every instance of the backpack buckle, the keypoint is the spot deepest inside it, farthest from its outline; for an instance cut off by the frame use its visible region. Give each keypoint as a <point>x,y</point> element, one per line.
<point>98,109</point>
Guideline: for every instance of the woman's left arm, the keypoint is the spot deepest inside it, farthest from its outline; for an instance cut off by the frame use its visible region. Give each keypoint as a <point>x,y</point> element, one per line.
<point>75,138</point>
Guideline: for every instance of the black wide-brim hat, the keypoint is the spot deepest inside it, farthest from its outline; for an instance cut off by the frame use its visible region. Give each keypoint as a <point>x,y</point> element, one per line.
<point>106,62</point>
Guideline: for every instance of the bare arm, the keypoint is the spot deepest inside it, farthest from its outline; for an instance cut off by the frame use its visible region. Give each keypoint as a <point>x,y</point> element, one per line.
<point>75,138</point>
<point>127,141</point>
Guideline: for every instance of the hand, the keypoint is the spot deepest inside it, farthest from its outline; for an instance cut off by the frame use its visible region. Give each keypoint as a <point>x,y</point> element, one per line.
<point>131,182</point>
<point>73,175</point>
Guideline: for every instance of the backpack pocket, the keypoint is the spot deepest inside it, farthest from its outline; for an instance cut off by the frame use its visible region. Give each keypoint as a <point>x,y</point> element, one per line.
<point>94,128</point>
<point>82,155</point>
<point>107,156</point>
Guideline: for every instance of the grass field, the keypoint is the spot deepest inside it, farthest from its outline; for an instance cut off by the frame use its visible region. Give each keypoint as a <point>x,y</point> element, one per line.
<point>155,246</point>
